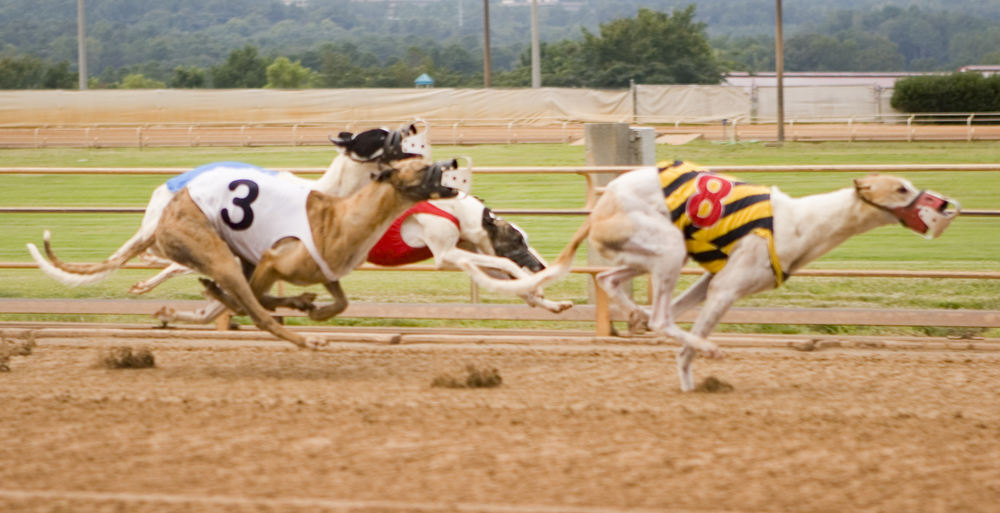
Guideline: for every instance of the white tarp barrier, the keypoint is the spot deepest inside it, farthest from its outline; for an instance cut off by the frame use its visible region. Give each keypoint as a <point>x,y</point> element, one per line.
<point>525,106</point>
<point>652,104</point>
<point>690,103</point>
<point>816,103</point>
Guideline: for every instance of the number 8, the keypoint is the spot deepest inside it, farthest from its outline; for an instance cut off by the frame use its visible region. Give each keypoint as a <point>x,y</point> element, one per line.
<point>705,207</point>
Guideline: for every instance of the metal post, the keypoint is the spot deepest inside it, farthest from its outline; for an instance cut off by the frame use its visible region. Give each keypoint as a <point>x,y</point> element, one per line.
<point>81,24</point>
<point>536,51</point>
<point>487,68</point>
<point>779,66</point>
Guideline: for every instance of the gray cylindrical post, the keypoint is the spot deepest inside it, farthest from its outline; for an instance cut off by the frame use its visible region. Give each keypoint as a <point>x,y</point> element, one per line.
<point>487,67</point>
<point>779,70</point>
<point>81,24</point>
<point>536,52</point>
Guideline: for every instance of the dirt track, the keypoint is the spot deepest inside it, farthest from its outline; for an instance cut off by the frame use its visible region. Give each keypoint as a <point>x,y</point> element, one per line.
<point>273,429</point>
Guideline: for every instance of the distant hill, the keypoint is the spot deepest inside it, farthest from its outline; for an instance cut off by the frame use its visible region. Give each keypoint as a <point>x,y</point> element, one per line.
<point>159,35</point>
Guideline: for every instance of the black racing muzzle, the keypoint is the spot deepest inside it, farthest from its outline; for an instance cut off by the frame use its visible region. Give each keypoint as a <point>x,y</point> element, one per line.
<point>523,258</point>
<point>430,187</point>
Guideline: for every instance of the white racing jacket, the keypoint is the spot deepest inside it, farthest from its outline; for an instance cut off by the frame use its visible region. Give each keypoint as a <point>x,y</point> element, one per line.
<point>252,209</point>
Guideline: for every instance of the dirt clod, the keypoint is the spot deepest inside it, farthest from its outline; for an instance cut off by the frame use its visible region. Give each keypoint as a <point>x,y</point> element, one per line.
<point>10,349</point>
<point>123,358</point>
<point>476,377</point>
<point>713,385</point>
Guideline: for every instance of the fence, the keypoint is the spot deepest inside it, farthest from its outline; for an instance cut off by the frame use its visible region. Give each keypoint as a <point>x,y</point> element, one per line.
<point>601,313</point>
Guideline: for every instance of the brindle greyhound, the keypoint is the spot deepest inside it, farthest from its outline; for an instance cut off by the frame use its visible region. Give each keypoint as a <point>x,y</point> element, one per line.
<point>634,225</point>
<point>332,237</point>
<point>359,156</point>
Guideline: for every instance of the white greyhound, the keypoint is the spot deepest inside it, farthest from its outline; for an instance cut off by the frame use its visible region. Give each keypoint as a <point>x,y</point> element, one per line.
<point>462,229</point>
<point>653,219</point>
<point>359,157</point>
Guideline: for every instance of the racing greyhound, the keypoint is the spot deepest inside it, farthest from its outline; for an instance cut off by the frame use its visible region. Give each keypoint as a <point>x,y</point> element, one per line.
<point>359,156</point>
<point>287,231</point>
<point>462,228</point>
<point>749,239</point>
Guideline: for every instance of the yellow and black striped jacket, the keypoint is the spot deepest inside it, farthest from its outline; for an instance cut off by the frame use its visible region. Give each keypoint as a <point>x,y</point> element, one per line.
<point>715,211</point>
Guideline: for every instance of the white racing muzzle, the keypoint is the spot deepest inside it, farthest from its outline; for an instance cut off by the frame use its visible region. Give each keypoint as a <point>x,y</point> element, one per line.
<point>459,178</point>
<point>926,215</point>
<point>415,141</point>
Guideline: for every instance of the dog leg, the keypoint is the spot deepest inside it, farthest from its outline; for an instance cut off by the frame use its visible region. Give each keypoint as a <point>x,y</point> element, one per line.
<point>611,281</point>
<point>174,269</point>
<point>185,236</point>
<point>333,309</point>
<point>748,271</point>
<point>203,315</point>
<point>692,296</point>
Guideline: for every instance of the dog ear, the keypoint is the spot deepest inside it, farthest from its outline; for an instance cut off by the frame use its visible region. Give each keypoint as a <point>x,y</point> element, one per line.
<point>368,143</point>
<point>343,140</point>
<point>863,184</point>
<point>489,218</point>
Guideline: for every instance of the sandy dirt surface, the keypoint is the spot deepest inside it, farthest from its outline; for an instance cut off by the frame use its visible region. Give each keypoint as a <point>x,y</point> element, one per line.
<point>572,429</point>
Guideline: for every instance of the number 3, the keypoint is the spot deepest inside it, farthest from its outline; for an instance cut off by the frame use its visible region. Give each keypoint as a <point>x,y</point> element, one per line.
<point>705,207</point>
<point>243,203</point>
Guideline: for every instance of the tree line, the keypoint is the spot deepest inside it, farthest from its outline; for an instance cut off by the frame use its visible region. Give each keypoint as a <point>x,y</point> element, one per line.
<point>336,43</point>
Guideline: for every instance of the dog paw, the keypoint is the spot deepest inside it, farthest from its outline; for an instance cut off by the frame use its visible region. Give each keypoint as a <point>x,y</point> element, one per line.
<point>165,314</point>
<point>638,323</point>
<point>712,351</point>
<point>138,288</point>
<point>316,342</point>
<point>303,302</point>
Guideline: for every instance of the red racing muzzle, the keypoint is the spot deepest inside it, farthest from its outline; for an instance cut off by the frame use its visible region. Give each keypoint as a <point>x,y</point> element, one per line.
<point>926,214</point>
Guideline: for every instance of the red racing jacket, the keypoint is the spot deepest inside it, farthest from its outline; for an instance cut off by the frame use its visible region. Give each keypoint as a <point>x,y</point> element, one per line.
<point>391,250</point>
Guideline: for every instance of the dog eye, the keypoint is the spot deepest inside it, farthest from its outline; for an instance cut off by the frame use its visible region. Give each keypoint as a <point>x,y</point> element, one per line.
<point>901,190</point>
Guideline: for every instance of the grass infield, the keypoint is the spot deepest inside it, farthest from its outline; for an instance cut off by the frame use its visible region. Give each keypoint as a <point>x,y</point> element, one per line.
<point>970,243</point>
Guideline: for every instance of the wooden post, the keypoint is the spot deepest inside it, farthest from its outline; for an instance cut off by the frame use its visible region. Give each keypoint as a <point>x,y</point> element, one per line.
<point>222,322</point>
<point>603,310</point>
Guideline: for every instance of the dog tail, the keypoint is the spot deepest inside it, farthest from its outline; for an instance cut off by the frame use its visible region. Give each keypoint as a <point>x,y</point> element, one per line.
<point>83,274</point>
<point>559,269</point>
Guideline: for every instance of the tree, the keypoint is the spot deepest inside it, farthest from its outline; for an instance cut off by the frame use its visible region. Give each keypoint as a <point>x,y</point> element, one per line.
<point>137,81</point>
<point>285,74</point>
<point>188,77</point>
<point>21,72</point>
<point>243,69</point>
<point>60,77</point>
<point>652,48</point>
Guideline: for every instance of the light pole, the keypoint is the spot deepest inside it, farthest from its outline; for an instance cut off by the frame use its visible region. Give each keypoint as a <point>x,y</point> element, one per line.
<point>82,45</point>
<point>487,68</point>
<point>536,52</point>
<point>779,68</point>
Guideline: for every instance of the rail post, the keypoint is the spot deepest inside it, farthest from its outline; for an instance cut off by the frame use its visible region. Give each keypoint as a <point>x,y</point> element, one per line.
<point>909,128</point>
<point>602,309</point>
<point>138,138</point>
<point>968,125</point>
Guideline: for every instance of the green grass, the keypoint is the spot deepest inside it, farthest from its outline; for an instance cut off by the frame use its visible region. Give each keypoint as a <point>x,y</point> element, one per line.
<point>970,244</point>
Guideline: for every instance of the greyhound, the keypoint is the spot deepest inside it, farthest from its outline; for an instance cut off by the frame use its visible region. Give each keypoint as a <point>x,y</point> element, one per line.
<point>359,156</point>
<point>286,231</point>
<point>651,220</point>
<point>462,228</point>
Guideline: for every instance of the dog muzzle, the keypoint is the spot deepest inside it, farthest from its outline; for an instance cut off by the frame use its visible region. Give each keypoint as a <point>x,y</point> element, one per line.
<point>926,215</point>
<point>459,178</point>
<point>432,186</point>
<point>415,142</point>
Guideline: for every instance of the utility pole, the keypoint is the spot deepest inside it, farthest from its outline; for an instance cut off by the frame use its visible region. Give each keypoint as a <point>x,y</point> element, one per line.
<point>779,67</point>
<point>81,24</point>
<point>536,52</point>
<point>487,68</point>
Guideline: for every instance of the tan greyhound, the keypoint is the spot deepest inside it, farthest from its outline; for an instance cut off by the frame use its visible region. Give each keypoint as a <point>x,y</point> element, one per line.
<point>287,231</point>
<point>749,239</point>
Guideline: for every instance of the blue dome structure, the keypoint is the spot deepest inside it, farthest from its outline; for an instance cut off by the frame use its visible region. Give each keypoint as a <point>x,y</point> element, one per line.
<point>424,80</point>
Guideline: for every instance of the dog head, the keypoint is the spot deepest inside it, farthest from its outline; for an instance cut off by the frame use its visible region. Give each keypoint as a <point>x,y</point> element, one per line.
<point>509,241</point>
<point>919,210</point>
<point>419,179</point>
<point>384,145</point>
